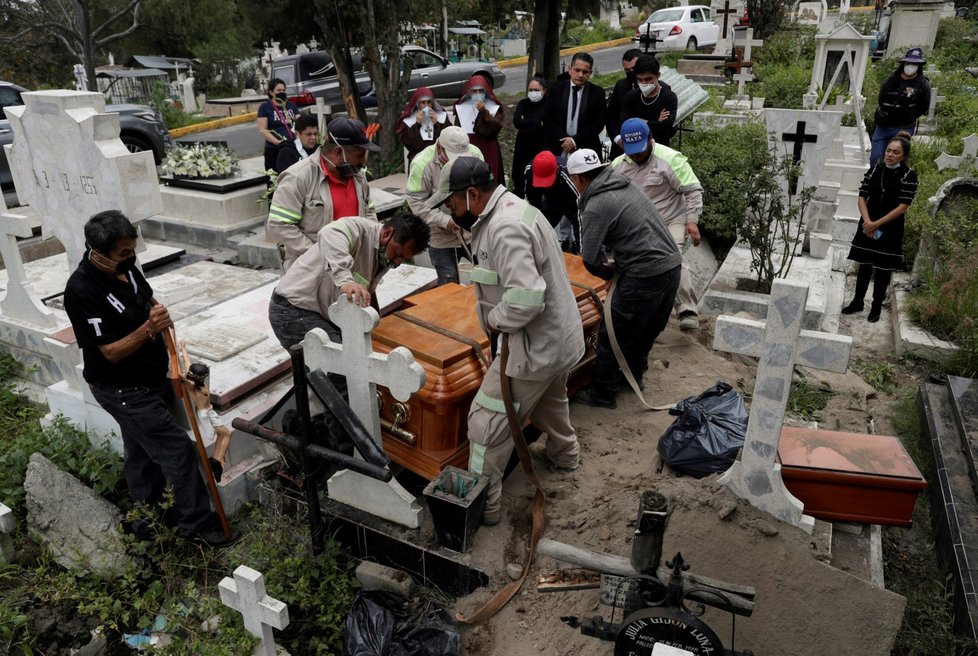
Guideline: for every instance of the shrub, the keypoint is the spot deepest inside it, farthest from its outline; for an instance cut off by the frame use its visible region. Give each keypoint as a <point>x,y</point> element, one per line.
<point>781,86</point>
<point>955,47</point>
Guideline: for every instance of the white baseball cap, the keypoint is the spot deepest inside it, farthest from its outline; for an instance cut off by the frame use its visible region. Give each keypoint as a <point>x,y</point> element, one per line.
<point>454,141</point>
<point>582,161</point>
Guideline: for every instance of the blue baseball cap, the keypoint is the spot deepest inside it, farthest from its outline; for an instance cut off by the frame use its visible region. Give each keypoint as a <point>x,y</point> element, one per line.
<point>634,136</point>
<point>914,56</point>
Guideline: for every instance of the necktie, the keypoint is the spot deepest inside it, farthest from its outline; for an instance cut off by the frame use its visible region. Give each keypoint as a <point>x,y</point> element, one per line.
<point>574,100</point>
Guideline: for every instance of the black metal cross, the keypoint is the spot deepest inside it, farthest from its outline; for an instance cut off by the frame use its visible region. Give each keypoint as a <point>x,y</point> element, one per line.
<point>649,39</point>
<point>726,11</point>
<point>799,138</point>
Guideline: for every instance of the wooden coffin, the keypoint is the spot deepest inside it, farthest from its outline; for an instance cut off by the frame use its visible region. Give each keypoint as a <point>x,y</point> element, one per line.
<point>434,433</point>
<point>850,477</point>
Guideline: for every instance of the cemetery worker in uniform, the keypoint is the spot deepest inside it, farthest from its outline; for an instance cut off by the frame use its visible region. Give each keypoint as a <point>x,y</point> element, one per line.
<point>653,101</point>
<point>528,119</point>
<point>886,192</point>
<point>350,257</point>
<point>904,98</point>
<point>522,289</point>
<point>447,247</point>
<point>668,180</point>
<point>118,324</point>
<point>480,114</point>
<point>319,190</point>
<point>421,122</point>
<point>575,109</point>
<point>617,217</point>
<point>621,89</point>
<point>550,190</point>
<point>303,146</point>
<point>276,117</point>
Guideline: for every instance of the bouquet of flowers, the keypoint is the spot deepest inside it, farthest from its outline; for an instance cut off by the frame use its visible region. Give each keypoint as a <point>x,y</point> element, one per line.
<point>201,161</point>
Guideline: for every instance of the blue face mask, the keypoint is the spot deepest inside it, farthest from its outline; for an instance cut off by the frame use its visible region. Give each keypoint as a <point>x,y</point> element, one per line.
<point>478,97</point>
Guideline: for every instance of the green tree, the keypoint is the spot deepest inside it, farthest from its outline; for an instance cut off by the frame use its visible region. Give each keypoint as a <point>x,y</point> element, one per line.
<point>767,17</point>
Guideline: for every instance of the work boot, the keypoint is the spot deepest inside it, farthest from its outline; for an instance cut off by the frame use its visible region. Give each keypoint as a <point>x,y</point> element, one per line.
<point>595,399</point>
<point>874,313</point>
<point>853,308</point>
<point>212,535</point>
<point>492,517</point>
<point>539,451</point>
<point>689,321</point>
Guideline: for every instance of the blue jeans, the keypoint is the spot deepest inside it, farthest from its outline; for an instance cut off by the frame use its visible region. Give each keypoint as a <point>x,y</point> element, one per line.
<point>157,452</point>
<point>881,137</point>
<point>445,261</point>
<point>640,311</point>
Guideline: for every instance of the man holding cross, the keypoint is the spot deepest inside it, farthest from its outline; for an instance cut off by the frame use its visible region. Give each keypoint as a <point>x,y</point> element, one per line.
<point>117,324</point>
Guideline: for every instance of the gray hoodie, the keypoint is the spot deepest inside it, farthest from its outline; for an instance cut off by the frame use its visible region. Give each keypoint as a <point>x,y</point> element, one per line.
<point>617,215</point>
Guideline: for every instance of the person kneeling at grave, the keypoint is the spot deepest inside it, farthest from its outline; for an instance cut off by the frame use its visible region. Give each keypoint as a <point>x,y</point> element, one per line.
<point>350,258</point>
<point>117,324</point>
<point>646,266</point>
<point>666,177</point>
<point>320,189</point>
<point>448,241</point>
<point>523,291</point>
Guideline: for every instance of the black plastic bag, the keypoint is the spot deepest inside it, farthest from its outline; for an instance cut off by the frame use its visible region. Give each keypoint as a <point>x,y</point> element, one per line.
<point>708,432</point>
<point>377,625</point>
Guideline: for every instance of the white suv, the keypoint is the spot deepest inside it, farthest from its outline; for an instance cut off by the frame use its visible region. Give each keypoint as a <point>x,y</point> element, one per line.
<point>679,28</point>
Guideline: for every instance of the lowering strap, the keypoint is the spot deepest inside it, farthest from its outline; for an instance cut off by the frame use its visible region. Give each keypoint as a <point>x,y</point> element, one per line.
<point>473,344</point>
<point>502,597</point>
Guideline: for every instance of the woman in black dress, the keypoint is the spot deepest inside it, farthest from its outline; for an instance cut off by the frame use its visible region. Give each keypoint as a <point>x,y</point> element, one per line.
<point>884,196</point>
<point>530,137</point>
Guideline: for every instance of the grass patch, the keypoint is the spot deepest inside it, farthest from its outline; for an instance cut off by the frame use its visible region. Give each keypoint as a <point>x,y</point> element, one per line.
<point>807,400</point>
<point>881,375</point>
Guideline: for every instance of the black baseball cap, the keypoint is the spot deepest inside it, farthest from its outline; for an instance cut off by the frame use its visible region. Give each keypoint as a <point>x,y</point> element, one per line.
<point>350,132</point>
<point>461,173</point>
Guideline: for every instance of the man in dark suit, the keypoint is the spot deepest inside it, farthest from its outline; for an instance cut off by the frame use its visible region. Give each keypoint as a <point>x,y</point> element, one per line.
<point>622,87</point>
<point>575,110</point>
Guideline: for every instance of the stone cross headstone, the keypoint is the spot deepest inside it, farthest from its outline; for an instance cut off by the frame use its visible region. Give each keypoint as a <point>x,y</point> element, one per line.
<point>932,110</point>
<point>189,99</point>
<point>245,593</point>
<point>844,7</point>
<point>799,138</point>
<point>364,370</point>
<point>323,113</point>
<point>806,136</point>
<point>68,163</point>
<point>20,302</point>
<point>748,43</point>
<point>970,152</point>
<point>780,344</point>
<point>8,522</point>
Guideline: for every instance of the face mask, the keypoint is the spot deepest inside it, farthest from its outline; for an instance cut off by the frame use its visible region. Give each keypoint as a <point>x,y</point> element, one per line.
<point>477,97</point>
<point>534,96</point>
<point>385,262</point>
<point>344,169</point>
<point>630,76</point>
<point>468,219</point>
<point>281,97</point>
<point>910,69</point>
<point>892,166</point>
<point>646,88</point>
<point>126,265</point>
<point>427,111</point>
<point>122,266</point>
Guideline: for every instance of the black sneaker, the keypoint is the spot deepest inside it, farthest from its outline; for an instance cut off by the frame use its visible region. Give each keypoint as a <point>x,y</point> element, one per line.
<point>853,308</point>
<point>216,539</point>
<point>588,397</point>
<point>874,313</point>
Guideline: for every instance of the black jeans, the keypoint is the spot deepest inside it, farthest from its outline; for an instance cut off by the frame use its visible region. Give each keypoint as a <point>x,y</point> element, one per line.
<point>640,311</point>
<point>157,452</point>
<point>290,325</point>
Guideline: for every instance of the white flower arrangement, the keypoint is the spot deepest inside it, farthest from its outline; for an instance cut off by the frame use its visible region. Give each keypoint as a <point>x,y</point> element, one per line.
<point>201,161</point>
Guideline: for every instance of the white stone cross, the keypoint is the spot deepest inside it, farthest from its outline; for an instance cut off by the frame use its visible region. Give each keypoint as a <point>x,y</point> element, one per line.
<point>68,163</point>
<point>8,522</point>
<point>323,113</point>
<point>970,151</point>
<point>364,369</point>
<point>748,43</point>
<point>245,593</point>
<point>934,99</point>
<point>780,344</point>
<point>21,302</point>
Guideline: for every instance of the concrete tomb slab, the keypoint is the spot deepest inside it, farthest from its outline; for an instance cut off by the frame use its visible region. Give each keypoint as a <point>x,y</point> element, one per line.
<point>221,342</point>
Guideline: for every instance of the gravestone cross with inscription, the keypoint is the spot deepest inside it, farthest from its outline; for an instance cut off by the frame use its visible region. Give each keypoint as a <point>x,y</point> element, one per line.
<point>364,369</point>
<point>68,163</point>
<point>245,593</point>
<point>20,302</point>
<point>779,344</point>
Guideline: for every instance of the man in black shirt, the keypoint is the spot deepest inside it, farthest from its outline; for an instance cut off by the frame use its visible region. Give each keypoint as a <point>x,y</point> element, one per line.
<point>550,190</point>
<point>304,145</point>
<point>653,101</point>
<point>117,324</point>
<point>622,87</point>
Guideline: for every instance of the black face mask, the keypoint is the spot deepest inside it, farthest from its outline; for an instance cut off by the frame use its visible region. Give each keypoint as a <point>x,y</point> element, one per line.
<point>468,218</point>
<point>282,97</point>
<point>346,170</point>
<point>630,76</point>
<point>126,265</point>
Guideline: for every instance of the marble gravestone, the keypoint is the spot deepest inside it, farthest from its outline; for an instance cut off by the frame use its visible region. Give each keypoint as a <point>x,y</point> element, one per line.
<point>969,153</point>
<point>364,369</point>
<point>804,136</point>
<point>245,593</point>
<point>20,302</point>
<point>811,13</point>
<point>843,43</point>
<point>726,14</point>
<point>780,344</point>
<point>68,163</point>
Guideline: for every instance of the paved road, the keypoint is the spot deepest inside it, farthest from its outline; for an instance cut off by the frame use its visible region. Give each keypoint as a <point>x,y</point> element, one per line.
<point>245,142</point>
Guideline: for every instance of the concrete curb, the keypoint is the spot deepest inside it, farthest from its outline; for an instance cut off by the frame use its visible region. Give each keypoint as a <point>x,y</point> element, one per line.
<point>521,61</point>
<point>213,125</point>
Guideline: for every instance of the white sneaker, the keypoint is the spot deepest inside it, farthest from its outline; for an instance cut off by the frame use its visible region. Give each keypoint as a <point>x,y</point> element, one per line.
<point>689,321</point>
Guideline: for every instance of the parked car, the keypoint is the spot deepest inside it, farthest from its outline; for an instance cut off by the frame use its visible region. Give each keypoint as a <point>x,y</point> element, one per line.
<point>312,75</point>
<point>140,128</point>
<point>679,28</point>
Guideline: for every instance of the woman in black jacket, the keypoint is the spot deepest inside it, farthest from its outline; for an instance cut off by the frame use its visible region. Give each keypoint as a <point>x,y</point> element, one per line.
<point>884,196</point>
<point>904,98</point>
<point>530,138</point>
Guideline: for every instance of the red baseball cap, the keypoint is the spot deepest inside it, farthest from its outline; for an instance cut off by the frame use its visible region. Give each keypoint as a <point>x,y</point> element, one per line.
<point>545,169</point>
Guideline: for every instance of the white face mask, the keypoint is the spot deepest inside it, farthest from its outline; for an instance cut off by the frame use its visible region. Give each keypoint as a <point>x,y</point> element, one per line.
<point>534,96</point>
<point>910,69</point>
<point>477,97</point>
<point>892,166</point>
<point>647,88</point>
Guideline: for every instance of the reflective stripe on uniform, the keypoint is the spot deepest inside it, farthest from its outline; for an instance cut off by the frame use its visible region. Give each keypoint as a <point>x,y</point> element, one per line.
<point>527,297</point>
<point>530,215</point>
<point>339,225</point>
<point>360,280</point>
<point>484,276</point>
<point>284,215</point>
<point>491,404</point>
<point>477,458</point>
